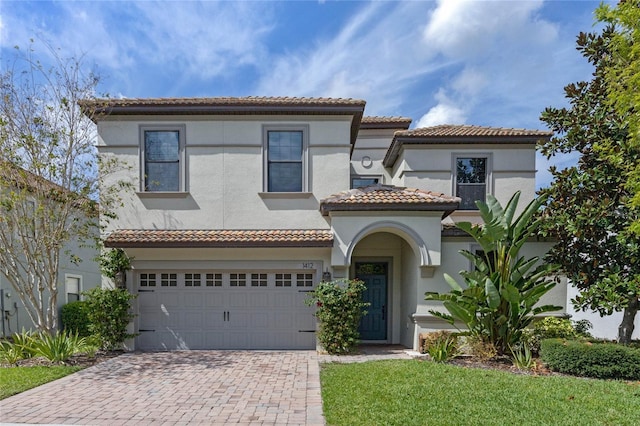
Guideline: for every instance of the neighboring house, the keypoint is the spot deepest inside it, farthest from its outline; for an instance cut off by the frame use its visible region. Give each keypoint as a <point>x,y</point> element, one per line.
<point>242,205</point>
<point>73,279</point>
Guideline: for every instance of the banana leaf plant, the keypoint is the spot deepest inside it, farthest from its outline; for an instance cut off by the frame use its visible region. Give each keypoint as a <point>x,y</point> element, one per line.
<point>501,295</point>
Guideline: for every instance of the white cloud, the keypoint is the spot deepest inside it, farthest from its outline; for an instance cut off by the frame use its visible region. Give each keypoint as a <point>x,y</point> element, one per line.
<point>445,112</point>
<point>377,56</point>
<point>187,39</point>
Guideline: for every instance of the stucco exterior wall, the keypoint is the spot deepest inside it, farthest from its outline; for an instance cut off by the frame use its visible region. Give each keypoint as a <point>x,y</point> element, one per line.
<point>90,277</point>
<point>225,172</point>
<point>431,167</point>
<point>370,149</point>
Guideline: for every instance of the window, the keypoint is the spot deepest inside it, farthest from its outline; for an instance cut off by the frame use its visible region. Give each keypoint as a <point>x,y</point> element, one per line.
<point>163,165</point>
<point>73,285</point>
<point>238,280</point>
<point>304,280</point>
<point>471,181</point>
<point>147,280</point>
<point>283,280</point>
<point>360,181</point>
<point>168,280</point>
<point>258,280</point>
<point>489,257</point>
<point>214,280</point>
<point>192,280</point>
<point>285,159</point>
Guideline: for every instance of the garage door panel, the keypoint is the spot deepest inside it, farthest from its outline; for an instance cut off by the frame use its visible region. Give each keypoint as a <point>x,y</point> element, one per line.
<point>214,298</point>
<point>222,316</point>
<point>193,300</point>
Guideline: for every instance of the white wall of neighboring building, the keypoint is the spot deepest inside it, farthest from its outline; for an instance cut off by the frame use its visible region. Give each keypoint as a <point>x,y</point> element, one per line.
<point>603,327</point>
<point>15,317</point>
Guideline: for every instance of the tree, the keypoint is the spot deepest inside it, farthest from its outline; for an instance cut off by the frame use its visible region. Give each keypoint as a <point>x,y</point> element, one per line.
<point>588,211</point>
<point>502,292</point>
<point>48,177</point>
<point>623,87</point>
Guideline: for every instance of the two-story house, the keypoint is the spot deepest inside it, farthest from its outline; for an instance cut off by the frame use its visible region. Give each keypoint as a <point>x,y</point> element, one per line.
<point>23,194</point>
<point>242,205</point>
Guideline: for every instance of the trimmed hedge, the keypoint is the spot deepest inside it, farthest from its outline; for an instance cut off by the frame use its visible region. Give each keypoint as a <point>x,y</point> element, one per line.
<point>598,360</point>
<point>75,318</point>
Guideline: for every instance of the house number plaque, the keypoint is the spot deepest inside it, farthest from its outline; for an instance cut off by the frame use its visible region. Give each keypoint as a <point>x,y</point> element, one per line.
<point>307,265</point>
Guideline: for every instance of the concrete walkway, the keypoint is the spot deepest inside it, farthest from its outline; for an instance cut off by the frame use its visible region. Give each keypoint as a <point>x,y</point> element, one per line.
<point>190,387</point>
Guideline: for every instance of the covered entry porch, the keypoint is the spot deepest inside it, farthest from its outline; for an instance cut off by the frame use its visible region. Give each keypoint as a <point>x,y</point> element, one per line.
<point>394,247</point>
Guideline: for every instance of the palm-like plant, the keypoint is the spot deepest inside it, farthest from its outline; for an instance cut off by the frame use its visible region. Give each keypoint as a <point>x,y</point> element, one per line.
<point>502,292</point>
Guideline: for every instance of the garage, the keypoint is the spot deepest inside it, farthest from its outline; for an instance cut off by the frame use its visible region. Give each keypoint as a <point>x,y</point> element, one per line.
<point>217,309</point>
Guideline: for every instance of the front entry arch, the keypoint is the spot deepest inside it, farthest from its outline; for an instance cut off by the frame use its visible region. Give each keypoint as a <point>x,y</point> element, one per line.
<point>373,325</point>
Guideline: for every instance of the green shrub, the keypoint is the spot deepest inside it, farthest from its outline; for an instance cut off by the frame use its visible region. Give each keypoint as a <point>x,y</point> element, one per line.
<point>339,310</point>
<point>429,339</point>
<point>57,347</point>
<point>479,348</point>
<point>599,360</point>
<point>501,294</point>
<point>75,318</point>
<point>548,328</point>
<point>522,358</point>
<point>109,315</point>
<point>443,347</point>
<point>10,353</point>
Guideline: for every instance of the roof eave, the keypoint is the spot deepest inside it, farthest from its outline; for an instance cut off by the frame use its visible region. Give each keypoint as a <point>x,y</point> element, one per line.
<point>446,208</point>
<point>398,141</point>
<point>216,244</point>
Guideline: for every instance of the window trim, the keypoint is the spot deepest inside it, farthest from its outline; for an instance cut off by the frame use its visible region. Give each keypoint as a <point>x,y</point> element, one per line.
<point>304,128</point>
<point>66,290</point>
<point>182,175</point>
<point>489,171</point>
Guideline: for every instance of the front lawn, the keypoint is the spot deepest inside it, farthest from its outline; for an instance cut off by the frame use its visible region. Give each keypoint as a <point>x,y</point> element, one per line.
<point>412,392</point>
<point>18,379</point>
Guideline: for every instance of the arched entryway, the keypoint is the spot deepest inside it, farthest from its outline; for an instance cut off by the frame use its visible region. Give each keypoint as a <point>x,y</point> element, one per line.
<point>390,268</point>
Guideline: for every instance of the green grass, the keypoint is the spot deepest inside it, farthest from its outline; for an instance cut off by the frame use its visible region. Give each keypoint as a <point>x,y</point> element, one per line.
<point>425,393</point>
<point>18,379</point>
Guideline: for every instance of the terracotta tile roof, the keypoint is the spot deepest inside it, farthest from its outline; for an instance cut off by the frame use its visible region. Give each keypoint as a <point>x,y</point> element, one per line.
<point>126,238</point>
<point>250,105</point>
<point>379,122</point>
<point>461,134</point>
<point>388,198</point>
<point>15,176</point>
<point>447,130</point>
<point>247,101</point>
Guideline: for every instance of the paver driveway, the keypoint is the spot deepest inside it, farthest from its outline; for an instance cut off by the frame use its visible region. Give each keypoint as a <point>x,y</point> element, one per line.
<point>194,387</point>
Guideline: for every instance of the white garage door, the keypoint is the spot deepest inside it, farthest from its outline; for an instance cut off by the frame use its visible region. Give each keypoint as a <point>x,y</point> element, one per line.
<point>225,310</point>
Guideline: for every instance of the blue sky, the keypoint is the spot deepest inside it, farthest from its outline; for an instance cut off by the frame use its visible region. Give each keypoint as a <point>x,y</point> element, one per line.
<point>493,63</point>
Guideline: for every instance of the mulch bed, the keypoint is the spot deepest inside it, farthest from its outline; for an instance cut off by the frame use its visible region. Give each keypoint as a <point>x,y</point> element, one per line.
<point>502,364</point>
<point>83,361</point>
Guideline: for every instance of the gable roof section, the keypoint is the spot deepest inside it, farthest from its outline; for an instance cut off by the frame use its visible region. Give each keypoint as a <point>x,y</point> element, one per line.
<point>250,105</point>
<point>165,238</point>
<point>461,134</point>
<point>389,198</point>
<point>379,122</point>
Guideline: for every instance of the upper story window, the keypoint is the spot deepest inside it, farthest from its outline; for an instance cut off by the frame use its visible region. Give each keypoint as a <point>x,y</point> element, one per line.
<point>285,158</point>
<point>163,164</point>
<point>471,178</point>
<point>360,181</point>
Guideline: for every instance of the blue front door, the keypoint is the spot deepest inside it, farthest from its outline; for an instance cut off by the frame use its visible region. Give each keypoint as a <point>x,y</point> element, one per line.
<point>373,325</point>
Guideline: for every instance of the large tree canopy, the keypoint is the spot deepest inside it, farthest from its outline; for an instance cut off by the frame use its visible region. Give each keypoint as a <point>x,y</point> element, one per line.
<point>588,210</point>
<point>623,87</point>
<point>48,177</point>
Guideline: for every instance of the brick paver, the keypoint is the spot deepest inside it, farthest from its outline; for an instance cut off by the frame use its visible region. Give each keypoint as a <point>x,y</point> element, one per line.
<point>184,387</point>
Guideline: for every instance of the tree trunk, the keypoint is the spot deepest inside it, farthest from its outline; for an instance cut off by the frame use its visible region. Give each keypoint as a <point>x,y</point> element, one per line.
<point>625,330</point>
